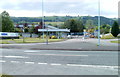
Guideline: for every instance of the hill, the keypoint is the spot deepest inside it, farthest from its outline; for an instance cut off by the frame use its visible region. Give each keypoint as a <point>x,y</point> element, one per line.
<point>104,20</point>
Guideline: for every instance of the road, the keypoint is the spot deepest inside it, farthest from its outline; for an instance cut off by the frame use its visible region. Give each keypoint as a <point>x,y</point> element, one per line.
<point>70,44</point>
<point>58,62</point>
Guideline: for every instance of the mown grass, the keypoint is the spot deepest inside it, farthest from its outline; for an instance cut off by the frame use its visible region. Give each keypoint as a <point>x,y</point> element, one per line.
<point>4,41</point>
<point>118,41</point>
<point>27,40</point>
<point>3,75</point>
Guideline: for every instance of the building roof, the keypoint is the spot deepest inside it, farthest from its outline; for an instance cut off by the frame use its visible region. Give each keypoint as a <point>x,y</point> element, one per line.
<point>53,30</point>
<point>49,28</point>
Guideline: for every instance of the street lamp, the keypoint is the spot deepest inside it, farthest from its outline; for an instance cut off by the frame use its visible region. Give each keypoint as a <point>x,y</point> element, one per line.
<point>43,17</point>
<point>44,23</point>
<point>47,36</point>
<point>98,22</point>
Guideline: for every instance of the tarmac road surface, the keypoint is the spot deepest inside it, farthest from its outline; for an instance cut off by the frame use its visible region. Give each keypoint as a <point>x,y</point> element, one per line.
<point>58,62</point>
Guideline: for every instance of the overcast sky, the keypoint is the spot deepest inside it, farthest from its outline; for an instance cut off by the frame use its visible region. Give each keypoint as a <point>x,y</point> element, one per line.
<point>33,8</point>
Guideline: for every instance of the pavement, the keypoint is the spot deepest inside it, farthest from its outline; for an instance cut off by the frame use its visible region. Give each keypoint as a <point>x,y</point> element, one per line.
<point>70,44</point>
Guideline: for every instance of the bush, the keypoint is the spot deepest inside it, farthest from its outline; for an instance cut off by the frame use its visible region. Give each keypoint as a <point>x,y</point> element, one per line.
<point>107,36</point>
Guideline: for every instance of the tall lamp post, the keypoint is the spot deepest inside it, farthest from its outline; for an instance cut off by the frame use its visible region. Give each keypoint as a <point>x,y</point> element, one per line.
<point>98,22</point>
<point>43,17</point>
<point>47,36</point>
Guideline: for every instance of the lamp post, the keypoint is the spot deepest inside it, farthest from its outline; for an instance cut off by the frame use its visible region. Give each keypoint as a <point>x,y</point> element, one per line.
<point>47,36</point>
<point>43,17</point>
<point>98,22</point>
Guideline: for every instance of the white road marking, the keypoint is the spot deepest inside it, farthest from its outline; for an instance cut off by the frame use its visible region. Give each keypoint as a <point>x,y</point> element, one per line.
<point>29,62</point>
<point>55,64</point>
<point>30,51</point>
<point>75,65</point>
<point>93,66</point>
<point>14,61</point>
<point>77,51</point>
<point>56,55</point>
<point>14,56</point>
<point>2,61</point>
<point>42,63</point>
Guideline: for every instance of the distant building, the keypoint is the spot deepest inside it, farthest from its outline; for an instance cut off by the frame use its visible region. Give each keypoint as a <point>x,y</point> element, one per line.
<point>40,29</point>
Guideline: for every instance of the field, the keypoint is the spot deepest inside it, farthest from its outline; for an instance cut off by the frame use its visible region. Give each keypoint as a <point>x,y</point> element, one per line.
<point>52,23</point>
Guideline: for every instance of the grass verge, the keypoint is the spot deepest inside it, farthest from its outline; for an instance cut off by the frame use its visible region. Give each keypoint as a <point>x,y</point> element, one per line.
<point>4,42</point>
<point>5,75</point>
<point>118,41</point>
<point>28,40</point>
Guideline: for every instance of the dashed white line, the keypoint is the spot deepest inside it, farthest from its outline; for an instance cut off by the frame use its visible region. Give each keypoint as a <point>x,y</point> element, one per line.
<point>31,51</point>
<point>14,57</point>
<point>43,63</point>
<point>75,65</point>
<point>57,55</point>
<point>29,62</point>
<point>14,61</point>
<point>55,64</point>
<point>93,66</point>
<point>2,61</point>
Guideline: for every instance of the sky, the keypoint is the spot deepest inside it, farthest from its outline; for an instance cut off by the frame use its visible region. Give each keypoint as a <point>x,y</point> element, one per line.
<point>33,8</point>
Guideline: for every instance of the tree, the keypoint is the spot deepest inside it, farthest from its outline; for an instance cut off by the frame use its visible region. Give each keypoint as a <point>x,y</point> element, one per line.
<point>7,24</point>
<point>26,28</point>
<point>80,26</point>
<point>115,29</point>
<point>89,24</point>
<point>0,23</point>
<point>74,25</point>
<point>32,30</point>
<point>104,28</point>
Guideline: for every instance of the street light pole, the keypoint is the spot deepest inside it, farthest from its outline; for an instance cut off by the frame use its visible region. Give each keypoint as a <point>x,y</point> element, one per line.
<point>44,23</point>
<point>43,17</point>
<point>47,36</point>
<point>98,22</point>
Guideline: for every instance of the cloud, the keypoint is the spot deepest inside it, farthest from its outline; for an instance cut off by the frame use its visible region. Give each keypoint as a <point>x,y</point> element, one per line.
<point>59,7</point>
